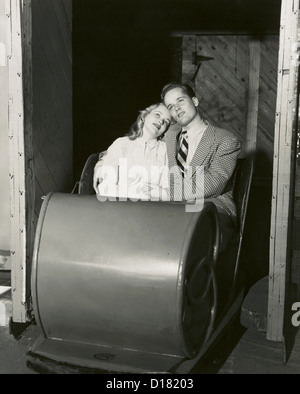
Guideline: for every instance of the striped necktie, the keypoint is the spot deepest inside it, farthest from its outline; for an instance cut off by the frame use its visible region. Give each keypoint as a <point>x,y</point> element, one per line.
<point>182,151</point>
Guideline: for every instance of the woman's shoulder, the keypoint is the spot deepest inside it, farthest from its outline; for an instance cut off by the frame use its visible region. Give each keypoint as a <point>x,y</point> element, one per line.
<point>119,142</point>
<point>162,144</point>
<point>224,134</point>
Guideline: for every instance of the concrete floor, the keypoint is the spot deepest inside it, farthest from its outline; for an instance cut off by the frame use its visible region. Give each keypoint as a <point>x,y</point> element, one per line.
<point>13,352</point>
<point>247,351</point>
<point>239,351</point>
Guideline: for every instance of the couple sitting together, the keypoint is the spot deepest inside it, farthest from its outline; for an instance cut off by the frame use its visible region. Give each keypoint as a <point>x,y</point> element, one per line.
<point>162,160</point>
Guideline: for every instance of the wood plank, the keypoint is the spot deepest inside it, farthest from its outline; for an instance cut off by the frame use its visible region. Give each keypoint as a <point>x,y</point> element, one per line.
<point>53,112</point>
<point>253,94</point>
<point>68,6</point>
<point>29,191</point>
<point>43,174</point>
<point>17,170</point>
<point>65,28</point>
<point>21,166</point>
<point>48,76</point>
<point>264,138</point>
<point>4,154</point>
<point>267,106</point>
<point>47,147</point>
<point>228,68</point>
<point>44,23</point>
<point>282,171</point>
<point>269,55</point>
<point>217,82</point>
<point>222,85</point>
<point>267,97</point>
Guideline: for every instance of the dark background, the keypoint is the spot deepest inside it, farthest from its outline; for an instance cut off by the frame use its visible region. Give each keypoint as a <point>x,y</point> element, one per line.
<point>123,54</point>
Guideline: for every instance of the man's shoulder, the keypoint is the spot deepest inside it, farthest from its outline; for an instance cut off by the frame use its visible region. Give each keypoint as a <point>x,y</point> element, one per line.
<point>224,134</point>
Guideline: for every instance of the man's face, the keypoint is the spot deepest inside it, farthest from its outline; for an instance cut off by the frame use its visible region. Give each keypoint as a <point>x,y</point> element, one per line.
<point>182,108</point>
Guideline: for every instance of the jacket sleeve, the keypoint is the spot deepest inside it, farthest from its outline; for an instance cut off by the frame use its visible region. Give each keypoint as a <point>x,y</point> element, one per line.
<point>211,179</point>
<point>219,171</point>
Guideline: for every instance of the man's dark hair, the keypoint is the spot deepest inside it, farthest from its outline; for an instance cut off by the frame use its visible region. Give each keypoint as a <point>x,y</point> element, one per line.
<point>187,89</point>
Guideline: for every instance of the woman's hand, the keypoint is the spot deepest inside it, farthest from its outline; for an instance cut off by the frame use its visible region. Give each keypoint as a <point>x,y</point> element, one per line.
<point>146,189</point>
<point>97,176</point>
<point>155,192</point>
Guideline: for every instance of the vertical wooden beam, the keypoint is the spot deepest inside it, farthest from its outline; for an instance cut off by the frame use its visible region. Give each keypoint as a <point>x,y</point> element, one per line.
<point>253,95</point>
<point>21,174</point>
<point>4,158</point>
<point>283,173</point>
<point>26,23</point>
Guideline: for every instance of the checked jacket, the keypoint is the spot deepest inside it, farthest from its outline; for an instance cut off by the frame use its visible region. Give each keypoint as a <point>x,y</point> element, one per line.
<point>217,153</point>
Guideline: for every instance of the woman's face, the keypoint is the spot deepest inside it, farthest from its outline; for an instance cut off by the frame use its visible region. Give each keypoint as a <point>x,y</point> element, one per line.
<point>156,122</point>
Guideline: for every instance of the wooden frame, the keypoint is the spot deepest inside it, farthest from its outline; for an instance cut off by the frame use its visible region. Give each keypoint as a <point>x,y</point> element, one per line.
<point>4,197</point>
<point>283,169</point>
<point>21,172</point>
<point>253,97</point>
<point>21,157</point>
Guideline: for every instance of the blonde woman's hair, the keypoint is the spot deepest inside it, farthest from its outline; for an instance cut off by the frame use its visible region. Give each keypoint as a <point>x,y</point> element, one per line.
<point>136,130</point>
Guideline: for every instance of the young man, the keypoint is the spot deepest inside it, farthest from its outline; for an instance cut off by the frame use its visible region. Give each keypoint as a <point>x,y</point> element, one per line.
<point>199,144</point>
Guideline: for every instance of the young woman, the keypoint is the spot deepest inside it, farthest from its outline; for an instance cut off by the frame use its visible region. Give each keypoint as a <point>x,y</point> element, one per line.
<point>136,166</point>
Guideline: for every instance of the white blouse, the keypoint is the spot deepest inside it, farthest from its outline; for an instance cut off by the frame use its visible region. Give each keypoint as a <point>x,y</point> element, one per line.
<point>135,169</point>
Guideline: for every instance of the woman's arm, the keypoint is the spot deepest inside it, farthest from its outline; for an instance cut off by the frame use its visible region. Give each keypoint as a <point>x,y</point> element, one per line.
<point>106,169</point>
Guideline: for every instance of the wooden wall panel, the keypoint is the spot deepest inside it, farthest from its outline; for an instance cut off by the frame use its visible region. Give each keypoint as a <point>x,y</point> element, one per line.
<point>267,106</point>
<point>52,97</point>
<point>21,171</point>
<point>224,88</point>
<point>222,85</point>
<point>4,156</point>
<point>286,124</point>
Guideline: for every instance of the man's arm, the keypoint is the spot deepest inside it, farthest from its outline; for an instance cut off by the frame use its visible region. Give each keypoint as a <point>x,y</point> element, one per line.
<point>220,170</point>
<point>212,181</point>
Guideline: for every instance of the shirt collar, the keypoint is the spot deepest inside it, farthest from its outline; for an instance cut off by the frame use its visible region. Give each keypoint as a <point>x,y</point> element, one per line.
<point>147,143</point>
<point>195,132</point>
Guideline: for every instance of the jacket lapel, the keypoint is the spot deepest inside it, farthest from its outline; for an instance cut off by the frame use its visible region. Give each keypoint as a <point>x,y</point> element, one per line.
<point>202,151</point>
<point>204,147</point>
